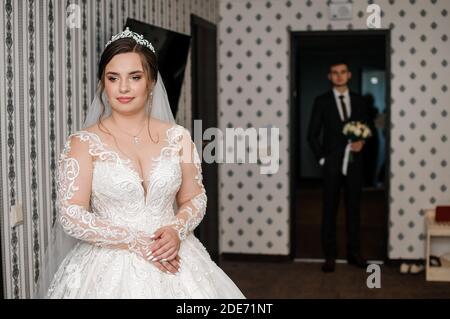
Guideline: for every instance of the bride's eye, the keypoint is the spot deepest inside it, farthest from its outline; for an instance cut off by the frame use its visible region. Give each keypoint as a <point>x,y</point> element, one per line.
<point>112,79</point>
<point>136,78</point>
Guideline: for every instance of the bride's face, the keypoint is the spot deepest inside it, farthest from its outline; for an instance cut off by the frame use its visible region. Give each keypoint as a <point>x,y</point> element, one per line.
<point>126,83</point>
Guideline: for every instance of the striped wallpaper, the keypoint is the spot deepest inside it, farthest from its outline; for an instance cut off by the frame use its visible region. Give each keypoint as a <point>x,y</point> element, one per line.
<point>47,84</point>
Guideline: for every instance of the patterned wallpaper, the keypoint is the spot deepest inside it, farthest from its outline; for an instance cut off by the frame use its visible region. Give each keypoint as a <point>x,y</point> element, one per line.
<point>254,92</point>
<point>48,79</point>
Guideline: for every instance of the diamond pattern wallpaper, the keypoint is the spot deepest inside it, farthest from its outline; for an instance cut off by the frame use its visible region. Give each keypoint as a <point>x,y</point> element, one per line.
<point>254,92</point>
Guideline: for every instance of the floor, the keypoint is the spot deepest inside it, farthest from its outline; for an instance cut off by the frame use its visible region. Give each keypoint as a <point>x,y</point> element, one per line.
<point>306,280</point>
<point>308,219</point>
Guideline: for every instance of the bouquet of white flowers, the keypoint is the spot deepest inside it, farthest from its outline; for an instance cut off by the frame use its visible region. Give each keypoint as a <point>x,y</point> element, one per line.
<point>356,131</point>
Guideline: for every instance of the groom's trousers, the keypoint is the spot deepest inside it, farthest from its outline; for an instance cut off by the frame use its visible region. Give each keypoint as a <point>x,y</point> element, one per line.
<point>333,180</point>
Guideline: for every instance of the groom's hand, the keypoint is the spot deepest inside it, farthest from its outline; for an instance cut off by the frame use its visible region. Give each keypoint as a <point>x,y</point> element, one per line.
<point>357,146</point>
<point>166,245</point>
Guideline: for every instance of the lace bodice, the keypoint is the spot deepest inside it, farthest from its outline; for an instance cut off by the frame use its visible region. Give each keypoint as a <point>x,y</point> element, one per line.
<point>102,198</point>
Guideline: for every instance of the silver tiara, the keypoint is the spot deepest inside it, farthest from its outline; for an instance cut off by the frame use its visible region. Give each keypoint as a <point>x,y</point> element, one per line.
<point>130,34</point>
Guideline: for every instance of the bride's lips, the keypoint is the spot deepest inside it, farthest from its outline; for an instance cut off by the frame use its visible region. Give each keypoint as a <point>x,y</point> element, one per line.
<point>124,100</point>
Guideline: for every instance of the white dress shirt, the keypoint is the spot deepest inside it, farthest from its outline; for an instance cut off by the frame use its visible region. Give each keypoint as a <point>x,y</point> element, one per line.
<point>348,106</point>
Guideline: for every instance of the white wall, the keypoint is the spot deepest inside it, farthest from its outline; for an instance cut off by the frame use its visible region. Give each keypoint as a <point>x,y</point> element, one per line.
<point>253,32</point>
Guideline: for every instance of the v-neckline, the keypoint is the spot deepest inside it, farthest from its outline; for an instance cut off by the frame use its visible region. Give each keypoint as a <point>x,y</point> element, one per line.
<point>128,163</point>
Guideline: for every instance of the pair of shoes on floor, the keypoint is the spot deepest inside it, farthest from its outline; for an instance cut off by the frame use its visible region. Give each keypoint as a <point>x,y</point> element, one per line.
<point>357,260</point>
<point>329,265</point>
<point>412,269</point>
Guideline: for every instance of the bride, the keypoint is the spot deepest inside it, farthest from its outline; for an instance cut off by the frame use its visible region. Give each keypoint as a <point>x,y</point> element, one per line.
<point>130,194</point>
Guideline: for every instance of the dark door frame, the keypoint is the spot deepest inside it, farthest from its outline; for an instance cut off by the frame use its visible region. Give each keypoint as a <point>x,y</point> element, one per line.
<point>294,37</point>
<point>208,230</point>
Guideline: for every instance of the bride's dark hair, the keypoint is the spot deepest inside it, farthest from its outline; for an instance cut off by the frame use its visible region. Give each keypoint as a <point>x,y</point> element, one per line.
<point>126,45</point>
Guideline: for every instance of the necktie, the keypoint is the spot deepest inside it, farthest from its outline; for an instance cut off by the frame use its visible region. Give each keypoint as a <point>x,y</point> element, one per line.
<point>344,108</point>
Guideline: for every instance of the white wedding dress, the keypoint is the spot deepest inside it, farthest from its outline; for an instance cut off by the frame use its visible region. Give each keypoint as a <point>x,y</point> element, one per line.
<point>119,208</point>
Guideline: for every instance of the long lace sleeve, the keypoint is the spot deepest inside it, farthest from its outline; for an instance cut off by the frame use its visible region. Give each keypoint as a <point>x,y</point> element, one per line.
<point>191,197</point>
<point>75,169</point>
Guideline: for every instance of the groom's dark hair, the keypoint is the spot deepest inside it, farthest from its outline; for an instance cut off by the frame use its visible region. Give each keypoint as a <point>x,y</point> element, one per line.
<point>338,61</point>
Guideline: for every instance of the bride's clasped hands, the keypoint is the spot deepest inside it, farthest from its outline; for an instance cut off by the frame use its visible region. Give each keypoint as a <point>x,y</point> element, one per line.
<point>161,249</point>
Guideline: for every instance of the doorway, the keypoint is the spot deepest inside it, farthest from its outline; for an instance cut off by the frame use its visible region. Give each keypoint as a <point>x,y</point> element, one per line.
<point>368,55</point>
<point>204,108</point>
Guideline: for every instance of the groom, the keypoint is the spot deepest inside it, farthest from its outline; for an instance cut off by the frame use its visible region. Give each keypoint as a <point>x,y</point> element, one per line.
<point>331,111</point>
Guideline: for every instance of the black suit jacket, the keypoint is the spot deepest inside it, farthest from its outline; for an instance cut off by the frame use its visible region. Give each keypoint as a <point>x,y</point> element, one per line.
<point>325,117</point>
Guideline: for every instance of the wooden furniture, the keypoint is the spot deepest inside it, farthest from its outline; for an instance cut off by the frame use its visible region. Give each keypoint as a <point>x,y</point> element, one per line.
<point>435,229</point>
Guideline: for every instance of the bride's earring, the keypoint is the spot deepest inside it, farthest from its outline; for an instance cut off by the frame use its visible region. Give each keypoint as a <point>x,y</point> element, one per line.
<point>150,102</point>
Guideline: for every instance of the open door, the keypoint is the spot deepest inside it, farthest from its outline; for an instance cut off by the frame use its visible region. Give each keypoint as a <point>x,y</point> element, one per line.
<point>204,108</point>
<point>368,54</point>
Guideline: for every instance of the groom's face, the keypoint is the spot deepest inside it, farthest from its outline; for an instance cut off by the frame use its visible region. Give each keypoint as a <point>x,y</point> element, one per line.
<point>339,75</point>
<point>125,78</point>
